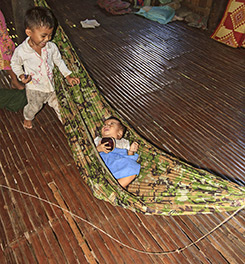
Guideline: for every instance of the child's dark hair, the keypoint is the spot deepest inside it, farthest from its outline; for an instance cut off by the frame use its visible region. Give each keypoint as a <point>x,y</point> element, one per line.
<point>39,17</point>
<point>124,129</point>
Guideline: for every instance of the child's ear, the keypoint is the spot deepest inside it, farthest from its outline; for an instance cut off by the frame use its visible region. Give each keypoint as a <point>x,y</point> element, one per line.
<point>28,32</point>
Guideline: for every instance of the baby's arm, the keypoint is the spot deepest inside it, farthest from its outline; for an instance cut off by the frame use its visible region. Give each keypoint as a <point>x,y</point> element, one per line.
<point>133,148</point>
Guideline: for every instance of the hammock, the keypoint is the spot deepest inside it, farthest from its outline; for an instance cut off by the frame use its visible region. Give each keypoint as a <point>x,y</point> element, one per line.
<point>165,185</point>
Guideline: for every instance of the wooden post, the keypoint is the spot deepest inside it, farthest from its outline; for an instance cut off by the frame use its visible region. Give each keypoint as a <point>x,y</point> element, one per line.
<point>216,13</point>
<point>19,9</point>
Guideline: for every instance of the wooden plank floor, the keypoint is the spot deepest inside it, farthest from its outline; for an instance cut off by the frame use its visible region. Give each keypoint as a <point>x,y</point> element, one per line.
<point>182,91</point>
<point>176,86</point>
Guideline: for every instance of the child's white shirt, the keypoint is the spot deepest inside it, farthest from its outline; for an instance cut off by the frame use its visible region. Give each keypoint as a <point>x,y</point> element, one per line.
<point>39,67</point>
<point>120,143</point>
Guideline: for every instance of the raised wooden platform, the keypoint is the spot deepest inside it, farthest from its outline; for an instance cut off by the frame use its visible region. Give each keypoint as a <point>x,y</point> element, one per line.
<point>178,88</point>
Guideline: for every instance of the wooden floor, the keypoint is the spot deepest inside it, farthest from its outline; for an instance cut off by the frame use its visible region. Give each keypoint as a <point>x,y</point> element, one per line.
<point>179,89</point>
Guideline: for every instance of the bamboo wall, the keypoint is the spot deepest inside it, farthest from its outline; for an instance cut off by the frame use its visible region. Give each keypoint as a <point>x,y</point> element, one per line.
<point>201,7</point>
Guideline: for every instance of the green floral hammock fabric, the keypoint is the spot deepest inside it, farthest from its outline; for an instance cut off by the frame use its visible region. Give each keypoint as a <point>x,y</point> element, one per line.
<point>165,186</point>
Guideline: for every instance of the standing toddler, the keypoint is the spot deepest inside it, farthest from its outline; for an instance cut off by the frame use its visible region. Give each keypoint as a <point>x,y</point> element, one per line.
<point>33,62</point>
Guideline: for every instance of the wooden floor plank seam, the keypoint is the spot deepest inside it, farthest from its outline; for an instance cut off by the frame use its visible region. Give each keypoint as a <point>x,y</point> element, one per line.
<point>81,240</point>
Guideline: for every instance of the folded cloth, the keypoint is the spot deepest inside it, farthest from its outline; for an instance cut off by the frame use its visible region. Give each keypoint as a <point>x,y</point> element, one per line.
<point>231,29</point>
<point>92,23</point>
<point>115,7</point>
<point>120,163</point>
<point>12,99</point>
<point>161,14</point>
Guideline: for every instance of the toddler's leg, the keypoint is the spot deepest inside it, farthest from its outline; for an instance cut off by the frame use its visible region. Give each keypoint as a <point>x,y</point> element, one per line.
<point>126,181</point>
<point>53,102</point>
<point>35,101</point>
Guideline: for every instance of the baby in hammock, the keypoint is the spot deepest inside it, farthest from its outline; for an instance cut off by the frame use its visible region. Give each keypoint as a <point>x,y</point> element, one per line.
<point>121,159</point>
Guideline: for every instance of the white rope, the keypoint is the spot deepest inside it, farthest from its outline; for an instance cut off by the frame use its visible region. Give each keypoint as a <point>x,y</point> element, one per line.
<point>116,240</point>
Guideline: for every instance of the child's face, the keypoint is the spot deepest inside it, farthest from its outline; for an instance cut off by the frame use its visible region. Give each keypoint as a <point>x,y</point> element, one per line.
<point>112,128</point>
<point>39,36</point>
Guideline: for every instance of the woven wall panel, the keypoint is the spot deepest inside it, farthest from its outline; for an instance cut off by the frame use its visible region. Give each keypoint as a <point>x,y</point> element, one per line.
<point>201,7</point>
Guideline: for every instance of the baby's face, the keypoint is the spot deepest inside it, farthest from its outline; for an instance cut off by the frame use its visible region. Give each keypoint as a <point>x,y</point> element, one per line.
<point>111,128</point>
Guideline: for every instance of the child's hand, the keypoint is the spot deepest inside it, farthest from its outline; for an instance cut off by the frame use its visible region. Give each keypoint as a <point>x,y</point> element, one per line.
<point>103,147</point>
<point>25,78</point>
<point>72,80</point>
<point>134,147</point>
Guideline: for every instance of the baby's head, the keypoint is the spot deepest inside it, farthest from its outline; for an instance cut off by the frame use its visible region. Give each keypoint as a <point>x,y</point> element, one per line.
<point>38,16</point>
<point>113,127</point>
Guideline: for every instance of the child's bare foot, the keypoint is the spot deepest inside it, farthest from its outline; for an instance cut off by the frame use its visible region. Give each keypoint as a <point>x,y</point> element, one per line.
<point>15,84</point>
<point>27,124</point>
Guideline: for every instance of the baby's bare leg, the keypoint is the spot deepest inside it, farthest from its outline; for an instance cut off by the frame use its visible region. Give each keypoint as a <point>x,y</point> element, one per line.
<point>124,182</point>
